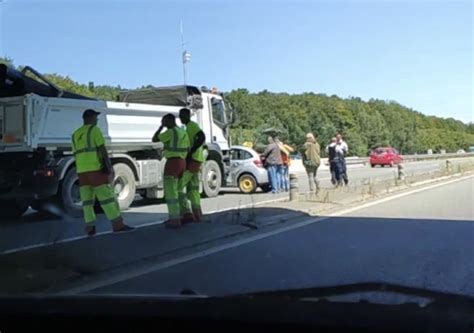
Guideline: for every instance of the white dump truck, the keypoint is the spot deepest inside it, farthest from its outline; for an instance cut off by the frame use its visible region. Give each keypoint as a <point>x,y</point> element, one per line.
<point>36,163</point>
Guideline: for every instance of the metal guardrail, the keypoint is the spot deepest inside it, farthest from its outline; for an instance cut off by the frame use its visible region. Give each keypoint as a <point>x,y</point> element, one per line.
<point>408,158</point>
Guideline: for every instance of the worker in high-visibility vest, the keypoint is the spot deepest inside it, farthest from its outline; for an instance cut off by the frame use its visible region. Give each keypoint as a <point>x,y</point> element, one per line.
<point>190,180</point>
<point>176,147</point>
<point>96,174</point>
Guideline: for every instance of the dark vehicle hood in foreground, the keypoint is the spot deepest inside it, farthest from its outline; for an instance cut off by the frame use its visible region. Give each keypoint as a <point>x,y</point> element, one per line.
<point>295,309</point>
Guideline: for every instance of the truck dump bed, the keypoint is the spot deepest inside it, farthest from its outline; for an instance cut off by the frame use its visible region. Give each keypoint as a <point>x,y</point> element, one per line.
<point>31,121</point>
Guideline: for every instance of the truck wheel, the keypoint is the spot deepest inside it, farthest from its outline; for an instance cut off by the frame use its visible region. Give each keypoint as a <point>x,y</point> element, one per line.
<point>211,178</point>
<point>12,209</point>
<point>124,185</point>
<point>247,184</point>
<point>69,196</point>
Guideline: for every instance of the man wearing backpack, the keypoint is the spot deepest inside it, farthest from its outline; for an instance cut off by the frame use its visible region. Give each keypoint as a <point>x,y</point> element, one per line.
<point>310,153</point>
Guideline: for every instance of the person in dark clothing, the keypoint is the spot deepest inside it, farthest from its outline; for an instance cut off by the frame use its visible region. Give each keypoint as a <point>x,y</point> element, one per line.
<point>343,149</point>
<point>335,162</point>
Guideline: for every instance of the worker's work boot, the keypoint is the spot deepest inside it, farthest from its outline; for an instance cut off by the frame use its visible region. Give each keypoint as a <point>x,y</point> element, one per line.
<point>90,230</point>
<point>187,218</point>
<point>125,228</point>
<point>173,224</point>
<point>197,212</point>
<point>120,227</point>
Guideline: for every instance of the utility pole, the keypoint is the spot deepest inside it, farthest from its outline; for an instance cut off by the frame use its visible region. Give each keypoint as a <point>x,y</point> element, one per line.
<point>186,56</point>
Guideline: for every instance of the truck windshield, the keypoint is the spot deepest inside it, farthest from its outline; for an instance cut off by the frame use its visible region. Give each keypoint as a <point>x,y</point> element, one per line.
<point>218,111</point>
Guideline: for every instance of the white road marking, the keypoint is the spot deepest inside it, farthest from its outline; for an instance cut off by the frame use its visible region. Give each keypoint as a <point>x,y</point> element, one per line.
<point>170,263</point>
<point>401,195</point>
<point>152,268</point>
<point>72,239</point>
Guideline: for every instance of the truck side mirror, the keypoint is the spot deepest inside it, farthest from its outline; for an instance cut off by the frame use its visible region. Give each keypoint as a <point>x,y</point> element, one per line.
<point>230,114</point>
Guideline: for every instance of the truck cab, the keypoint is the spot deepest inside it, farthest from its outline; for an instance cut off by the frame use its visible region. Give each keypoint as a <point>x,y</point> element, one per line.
<point>210,111</point>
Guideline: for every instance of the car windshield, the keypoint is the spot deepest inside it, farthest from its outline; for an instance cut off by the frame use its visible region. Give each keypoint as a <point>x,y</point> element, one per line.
<point>320,144</point>
<point>381,151</point>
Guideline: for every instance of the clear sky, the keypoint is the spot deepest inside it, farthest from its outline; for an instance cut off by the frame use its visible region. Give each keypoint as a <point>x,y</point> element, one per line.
<point>419,53</point>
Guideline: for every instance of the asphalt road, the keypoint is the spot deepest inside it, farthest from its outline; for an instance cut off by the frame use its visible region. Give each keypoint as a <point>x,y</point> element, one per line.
<point>422,239</point>
<point>35,229</point>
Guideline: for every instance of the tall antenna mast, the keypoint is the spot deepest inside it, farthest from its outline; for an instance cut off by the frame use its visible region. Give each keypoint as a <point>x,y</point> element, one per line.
<point>186,56</point>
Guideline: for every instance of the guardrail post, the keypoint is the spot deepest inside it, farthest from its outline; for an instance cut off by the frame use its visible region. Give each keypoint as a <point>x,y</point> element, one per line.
<point>401,172</point>
<point>449,166</point>
<point>294,189</point>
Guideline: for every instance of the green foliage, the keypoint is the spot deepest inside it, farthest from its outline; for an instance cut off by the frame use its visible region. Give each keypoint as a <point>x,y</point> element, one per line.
<point>363,124</point>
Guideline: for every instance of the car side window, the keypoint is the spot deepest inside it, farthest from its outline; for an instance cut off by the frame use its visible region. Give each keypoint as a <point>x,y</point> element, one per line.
<point>235,154</point>
<point>238,154</point>
<point>246,155</point>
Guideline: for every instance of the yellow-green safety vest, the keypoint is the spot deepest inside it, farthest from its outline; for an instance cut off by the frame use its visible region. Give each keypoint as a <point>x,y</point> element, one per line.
<point>176,142</point>
<point>85,142</point>
<point>192,128</point>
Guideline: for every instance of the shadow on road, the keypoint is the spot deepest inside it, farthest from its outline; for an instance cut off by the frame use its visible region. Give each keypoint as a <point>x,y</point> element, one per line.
<point>343,249</point>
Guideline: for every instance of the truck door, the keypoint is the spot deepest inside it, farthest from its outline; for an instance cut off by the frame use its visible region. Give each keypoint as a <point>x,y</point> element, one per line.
<point>219,121</point>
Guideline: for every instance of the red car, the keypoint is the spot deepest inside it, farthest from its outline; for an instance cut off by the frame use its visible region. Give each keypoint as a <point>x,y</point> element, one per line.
<point>385,156</point>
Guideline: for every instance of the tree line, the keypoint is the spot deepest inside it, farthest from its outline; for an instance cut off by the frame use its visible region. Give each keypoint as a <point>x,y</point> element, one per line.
<point>364,124</point>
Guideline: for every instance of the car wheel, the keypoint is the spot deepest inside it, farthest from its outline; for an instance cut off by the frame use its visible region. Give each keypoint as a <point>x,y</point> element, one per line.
<point>211,178</point>
<point>124,185</point>
<point>372,165</point>
<point>247,184</point>
<point>266,188</point>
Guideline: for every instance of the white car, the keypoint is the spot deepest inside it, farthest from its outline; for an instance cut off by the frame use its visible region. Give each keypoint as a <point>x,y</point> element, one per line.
<point>461,151</point>
<point>246,170</point>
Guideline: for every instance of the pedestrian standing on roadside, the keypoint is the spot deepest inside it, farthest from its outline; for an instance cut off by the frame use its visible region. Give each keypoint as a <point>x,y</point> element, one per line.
<point>310,153</point>
<point>96,174</point>
<point>286,150</point>
<point>273,162</point>
<point>335,164</point>
<point>342,149</point>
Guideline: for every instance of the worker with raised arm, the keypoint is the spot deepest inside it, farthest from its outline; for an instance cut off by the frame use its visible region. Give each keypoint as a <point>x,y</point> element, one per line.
<point>96,174</point>
<point>188,186</point>
<point>176,147</point>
